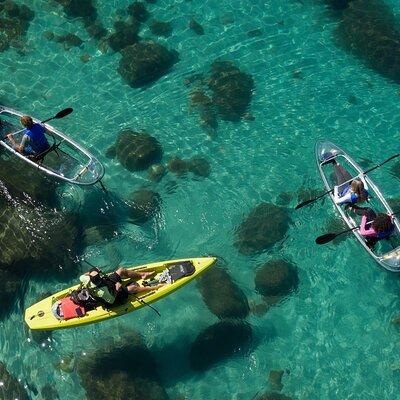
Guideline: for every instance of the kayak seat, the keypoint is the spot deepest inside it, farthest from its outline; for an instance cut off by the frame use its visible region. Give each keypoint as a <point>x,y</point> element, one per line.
<point>39,158</point>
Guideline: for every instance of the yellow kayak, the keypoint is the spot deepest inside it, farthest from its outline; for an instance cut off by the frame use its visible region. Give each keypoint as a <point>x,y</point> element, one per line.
<point>42,315</point>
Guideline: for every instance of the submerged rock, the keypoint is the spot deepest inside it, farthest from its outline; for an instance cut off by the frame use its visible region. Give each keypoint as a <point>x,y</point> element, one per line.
<point>14,24</point>
<point>370,31</point>
<point>161,28</point>
<point>137,151</point>
<point>156,172</point>
<point>10,286</point>
<point>125,35</point>
<point>145,204</point>
<point>275,379</point>
<point>199,166</point>
<point>276,278</point>
<point>118,374</point>
<point>79,8</point>
<point>221,295</point>
<point>196,27</point>
<point>232,90</point>
<point>49,393</point>
<point>218,342</point>
<point>11,388</point>
<point>263,227</point>
<point>395,170</point>
<point>138,11</point>
<point>274,396</point>
<point>145,62</point>
<point>18,179</point>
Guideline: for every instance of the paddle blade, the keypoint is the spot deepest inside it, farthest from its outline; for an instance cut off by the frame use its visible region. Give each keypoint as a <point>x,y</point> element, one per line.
<point>328,237</point>
<point>304,203</point>
<point>63,113</point>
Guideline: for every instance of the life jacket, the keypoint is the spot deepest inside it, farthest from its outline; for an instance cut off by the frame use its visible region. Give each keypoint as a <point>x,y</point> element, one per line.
<point>101,286</point>
<point>353,196</point>
<point>385,234</point>
<point>69,309</point>
<point>38,140</point>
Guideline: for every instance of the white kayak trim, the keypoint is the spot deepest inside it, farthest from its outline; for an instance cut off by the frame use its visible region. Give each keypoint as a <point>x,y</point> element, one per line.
<point>92,164</point>
<point>389,260</point>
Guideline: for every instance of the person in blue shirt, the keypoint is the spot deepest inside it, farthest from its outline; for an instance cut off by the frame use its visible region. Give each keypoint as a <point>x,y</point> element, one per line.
<point>34,141</point>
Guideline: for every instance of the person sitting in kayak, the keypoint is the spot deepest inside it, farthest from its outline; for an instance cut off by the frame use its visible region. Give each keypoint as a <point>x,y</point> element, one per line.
<point>34,141</point>
<point>109,287</point>
<point>381,227</point>
<point>347,190</point>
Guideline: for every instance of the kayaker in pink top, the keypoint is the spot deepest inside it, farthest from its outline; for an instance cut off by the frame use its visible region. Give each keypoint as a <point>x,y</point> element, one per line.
<point>381,227</point>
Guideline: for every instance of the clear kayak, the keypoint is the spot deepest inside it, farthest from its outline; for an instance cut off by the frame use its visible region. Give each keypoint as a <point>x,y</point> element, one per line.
<point>43,315</point>
<point>385,252</point>
<point>66,160</point>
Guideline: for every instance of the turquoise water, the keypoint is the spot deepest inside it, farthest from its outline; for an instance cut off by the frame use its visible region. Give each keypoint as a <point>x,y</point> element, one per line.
<point>334,335</point>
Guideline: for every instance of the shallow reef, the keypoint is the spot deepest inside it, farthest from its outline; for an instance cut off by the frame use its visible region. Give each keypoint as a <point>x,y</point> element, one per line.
<point>196,27</point>
<point>265,225</point>
<point>226,94</point>
<point>369,30</point>
<point>161,28</point>
<point>68,40</point>
<point>136,151</point>
<point>11,388</point>
<point>221,294</point>
<point>219,341</point>
<point>273,396</point>
<point>17,179</point>
<point>125,34</point>
<point>232,90</point>
<point>145,62</point>
<point>144,205</point>
<point>124,371</point>
<point>14,24</point>
<point>276,278</point>
<point>197,165</point>
<point>11,287</point>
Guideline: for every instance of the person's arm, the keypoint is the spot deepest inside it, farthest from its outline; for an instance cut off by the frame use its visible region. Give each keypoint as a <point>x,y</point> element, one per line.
<point>366,232</point>
<point>340,200</point>
<point>364,181</point>
<point>19,147</point>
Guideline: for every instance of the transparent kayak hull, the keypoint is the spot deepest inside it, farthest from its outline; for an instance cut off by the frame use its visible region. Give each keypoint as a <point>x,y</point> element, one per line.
<point>385,252</point>
<point>69,162</point>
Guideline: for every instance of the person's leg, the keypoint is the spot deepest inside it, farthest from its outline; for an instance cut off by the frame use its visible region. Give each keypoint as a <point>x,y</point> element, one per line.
<point>341,174</point>
<point>127,273</point>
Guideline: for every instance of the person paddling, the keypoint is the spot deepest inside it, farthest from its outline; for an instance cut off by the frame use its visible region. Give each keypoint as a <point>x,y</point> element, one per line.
<point>382,226</point>
<point>34,141</point>
<point>109,287</point>
<point>348,190</point>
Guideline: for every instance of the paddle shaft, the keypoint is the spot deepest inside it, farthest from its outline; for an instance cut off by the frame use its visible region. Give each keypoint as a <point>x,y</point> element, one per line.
<point>60,114</point>
<point>304,203</point>
<point>328,237</point>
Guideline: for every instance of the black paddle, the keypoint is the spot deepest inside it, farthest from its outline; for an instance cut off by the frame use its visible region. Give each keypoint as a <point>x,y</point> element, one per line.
<point>328,237</point>
<point>304,203</point>
<point>60,114</point>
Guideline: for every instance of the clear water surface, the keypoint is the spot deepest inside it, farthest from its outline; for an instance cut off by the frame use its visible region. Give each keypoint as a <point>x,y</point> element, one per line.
<point>334,335</point>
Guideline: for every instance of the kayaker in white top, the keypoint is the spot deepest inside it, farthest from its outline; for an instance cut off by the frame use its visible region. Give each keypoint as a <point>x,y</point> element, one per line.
<point>348,189</point>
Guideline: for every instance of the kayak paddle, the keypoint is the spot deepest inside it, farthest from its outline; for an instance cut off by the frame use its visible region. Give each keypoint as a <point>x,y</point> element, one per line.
<point>328,237</point>
<point>304,203</point>
<point>60,114</point>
